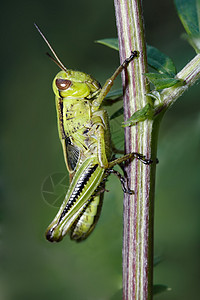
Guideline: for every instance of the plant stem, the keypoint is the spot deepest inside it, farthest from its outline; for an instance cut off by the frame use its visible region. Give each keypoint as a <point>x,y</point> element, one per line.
<point>138,208</point>
<point>142,138</point>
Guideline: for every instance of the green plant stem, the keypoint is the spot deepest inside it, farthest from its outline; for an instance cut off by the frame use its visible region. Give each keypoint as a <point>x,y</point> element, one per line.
<point>138,208</point>
<point>142,138</point>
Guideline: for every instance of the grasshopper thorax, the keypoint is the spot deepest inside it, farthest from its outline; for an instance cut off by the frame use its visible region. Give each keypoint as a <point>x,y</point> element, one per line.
<point>75,84</point>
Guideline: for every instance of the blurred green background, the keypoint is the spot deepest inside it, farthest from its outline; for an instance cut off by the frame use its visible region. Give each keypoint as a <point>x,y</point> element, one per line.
<point>31,267</point>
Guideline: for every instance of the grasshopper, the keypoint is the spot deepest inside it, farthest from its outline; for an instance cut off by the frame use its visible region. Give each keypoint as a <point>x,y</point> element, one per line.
<point>84,132</point>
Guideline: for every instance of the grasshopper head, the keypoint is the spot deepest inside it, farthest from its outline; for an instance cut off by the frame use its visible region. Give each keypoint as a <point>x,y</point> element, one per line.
<point>68,83</point>
<point>75,84</point>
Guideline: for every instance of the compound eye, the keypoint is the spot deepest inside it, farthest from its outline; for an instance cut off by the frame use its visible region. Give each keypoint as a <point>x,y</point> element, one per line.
<point>63,84</point>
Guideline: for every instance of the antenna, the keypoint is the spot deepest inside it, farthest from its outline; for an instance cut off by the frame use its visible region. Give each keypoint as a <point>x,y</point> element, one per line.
<point>56,60</point>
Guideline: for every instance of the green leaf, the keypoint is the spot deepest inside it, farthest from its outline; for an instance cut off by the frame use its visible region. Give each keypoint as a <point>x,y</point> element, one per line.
<point>162,81</point>
<point>112,43</point>
<point>118,113</point>
<point>160,62</point>
<point>114,94</point>
<point>189,14</point>
<point>160,288</point>
<point>140,115</point>
<point>193,40</point>
<point>113,97</point>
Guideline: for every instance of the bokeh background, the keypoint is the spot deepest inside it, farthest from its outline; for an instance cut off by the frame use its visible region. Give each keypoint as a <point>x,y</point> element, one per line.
<point>31,267</point>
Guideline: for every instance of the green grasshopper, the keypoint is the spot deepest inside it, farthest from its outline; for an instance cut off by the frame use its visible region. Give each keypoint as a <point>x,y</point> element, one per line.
<point>84,132</point>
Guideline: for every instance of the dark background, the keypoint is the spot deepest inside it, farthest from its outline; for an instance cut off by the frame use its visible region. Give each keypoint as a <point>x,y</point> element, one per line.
<point>31,267</point>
